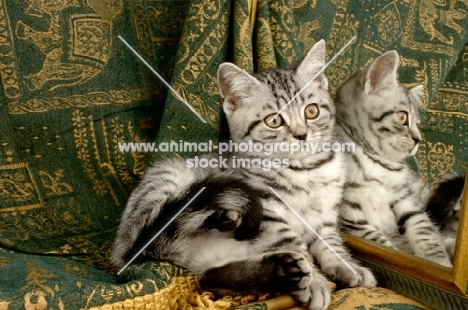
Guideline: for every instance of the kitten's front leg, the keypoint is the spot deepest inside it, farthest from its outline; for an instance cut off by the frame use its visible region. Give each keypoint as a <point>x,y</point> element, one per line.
<point>449,243</point>
<point>317,295</point>
<point>337,264</point>
<point>421,233</point>
<point>423,237</point>
<point>279,272</point>
<point>355,223</point>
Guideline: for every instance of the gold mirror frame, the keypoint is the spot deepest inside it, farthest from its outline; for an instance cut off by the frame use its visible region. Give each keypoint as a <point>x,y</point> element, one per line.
<point>453,280</point>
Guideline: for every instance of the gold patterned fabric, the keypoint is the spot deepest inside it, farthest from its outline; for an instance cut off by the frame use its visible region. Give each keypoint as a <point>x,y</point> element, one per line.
<point>373,298</point>
<point>71,91</point>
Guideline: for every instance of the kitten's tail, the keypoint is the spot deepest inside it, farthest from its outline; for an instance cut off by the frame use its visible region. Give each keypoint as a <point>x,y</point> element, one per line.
<point>228,202</point>
<point>167,179</point>
<point>443,200</point>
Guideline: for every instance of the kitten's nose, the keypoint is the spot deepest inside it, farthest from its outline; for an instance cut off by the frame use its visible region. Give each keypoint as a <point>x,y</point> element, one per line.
<point>301,137</point>
<point>299,131</point>
<point>416,136</point>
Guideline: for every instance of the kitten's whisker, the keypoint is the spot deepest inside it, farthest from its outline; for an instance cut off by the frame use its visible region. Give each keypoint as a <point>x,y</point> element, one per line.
<point>161,230</point>
<point>313,231</point>
<point>312,79</point>
<point>162,80</point>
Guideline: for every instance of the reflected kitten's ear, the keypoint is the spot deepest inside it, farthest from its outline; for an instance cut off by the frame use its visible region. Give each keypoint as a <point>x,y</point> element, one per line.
<point>312,63</point>
<point>234,84</point>
<point>416,93</point>
<point>381,73</point>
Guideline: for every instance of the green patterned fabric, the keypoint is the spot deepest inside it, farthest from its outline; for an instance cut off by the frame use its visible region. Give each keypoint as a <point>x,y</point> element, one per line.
<point>416,289</point>
<point>71,91</point>
<point>56,283</point>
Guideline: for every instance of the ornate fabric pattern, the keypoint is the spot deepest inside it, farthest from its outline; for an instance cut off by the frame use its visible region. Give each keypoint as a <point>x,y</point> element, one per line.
<point>71,92</point>
<point>375,298</point>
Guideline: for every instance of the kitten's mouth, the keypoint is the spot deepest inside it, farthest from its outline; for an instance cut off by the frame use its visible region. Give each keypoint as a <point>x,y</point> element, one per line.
<point>315,137</point>
<point>405,147</point>
<point>414,150</point>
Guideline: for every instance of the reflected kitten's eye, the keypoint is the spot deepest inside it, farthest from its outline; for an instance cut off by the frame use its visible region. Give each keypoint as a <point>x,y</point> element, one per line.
<point>402,117</point>
<point>273,122</point>
<point>311,111</point>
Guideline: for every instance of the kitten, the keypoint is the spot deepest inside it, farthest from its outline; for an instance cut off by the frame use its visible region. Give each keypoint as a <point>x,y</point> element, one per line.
<point>383,199</point>
<point>225,241</point>
<point>444,208</point>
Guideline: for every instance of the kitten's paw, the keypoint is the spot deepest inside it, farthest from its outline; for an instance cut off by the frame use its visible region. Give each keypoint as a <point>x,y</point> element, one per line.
<point>294,270</point>
<point>449,244</point>
<point>344,276</point>
<point>224,220</point>
<point>317,296</point>
<point>444,261</point>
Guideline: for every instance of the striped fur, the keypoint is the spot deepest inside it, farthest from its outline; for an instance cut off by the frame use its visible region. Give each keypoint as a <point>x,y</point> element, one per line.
<point>383,199</point>
<point>276,256</point>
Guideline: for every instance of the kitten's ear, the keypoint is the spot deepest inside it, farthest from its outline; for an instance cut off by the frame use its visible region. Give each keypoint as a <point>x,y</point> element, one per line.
<point>312,63</point>
<point>234,84</point>
<point>416,93</point>
<point>382,72</point>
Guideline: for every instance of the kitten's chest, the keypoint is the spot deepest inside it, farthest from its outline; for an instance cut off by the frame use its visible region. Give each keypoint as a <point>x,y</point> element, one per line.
<point>377,207</point>
<point>378,189</point>
<point>387,182</point>
<point>314,196</point>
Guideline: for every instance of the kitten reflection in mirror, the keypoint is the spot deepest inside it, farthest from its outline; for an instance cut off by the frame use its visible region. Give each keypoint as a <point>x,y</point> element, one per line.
<point>384,200</point>
<point>444,208</point>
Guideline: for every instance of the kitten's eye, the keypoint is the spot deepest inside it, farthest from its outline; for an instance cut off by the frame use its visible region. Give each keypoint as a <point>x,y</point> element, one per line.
<point>311,111</point>
<point>273,122</point>
<point>402,117</point>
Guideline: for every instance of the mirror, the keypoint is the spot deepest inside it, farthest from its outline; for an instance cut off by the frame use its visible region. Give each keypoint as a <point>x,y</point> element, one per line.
<point>453,280</point>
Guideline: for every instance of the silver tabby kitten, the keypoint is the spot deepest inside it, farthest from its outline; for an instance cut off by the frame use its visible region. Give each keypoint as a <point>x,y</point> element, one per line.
<point>444,207</point>
<point>384,200</point>
<point>271,252</point>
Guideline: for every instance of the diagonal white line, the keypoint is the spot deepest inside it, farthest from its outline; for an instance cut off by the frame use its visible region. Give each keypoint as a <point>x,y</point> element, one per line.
<point>313,230</point>
<point>161,230</point>
<point>162,80</point>
<point>313,78</point>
